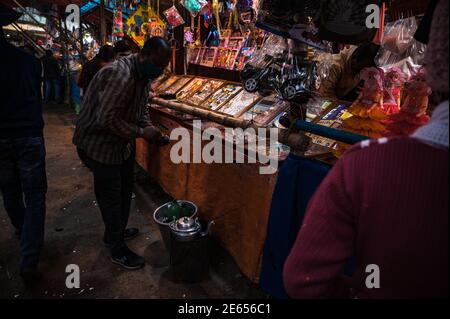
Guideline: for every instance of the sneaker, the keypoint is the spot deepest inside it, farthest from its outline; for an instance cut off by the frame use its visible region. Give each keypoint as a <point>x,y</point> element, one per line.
<point>129,233</point>
<point>128,260</point>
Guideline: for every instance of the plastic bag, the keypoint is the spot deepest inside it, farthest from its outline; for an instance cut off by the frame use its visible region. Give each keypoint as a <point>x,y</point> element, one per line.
<point>399,35</point>
<point>324,63</point>
<point>274,46</point>
<point>173,17</point>
<point>409,62</point>
<point>194,6</point>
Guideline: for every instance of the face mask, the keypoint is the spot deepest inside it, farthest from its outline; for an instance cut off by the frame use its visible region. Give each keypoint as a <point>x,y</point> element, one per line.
<point>150,71</point>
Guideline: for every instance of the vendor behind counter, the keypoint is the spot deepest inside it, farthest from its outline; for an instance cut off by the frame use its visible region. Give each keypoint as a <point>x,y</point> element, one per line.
<point>343,81</point>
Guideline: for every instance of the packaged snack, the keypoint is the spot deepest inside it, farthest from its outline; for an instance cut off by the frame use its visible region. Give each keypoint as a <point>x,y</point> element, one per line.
<point>173,17</point>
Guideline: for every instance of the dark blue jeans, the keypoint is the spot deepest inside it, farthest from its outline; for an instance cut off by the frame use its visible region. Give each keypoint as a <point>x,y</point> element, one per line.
<point>23,183</point>
<point>52,90</point>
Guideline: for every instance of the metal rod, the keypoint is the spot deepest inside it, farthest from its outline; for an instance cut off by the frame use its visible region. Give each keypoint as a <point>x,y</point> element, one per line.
<point>30,40</point>
<point>60,30</point>
<point>334,134</point>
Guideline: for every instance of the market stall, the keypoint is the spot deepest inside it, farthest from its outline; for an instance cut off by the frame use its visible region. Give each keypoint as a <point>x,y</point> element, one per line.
<point>239,75</point>
<point>240,216</point>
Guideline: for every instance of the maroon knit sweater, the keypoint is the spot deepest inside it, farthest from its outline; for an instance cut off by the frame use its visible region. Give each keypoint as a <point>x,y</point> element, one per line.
<point>385,204</point>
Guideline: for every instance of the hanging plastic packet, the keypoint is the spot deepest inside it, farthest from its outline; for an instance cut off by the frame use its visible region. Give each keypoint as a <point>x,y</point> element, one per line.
<point>194,6</point>
<point>400,49</point>
<point>173,17</point>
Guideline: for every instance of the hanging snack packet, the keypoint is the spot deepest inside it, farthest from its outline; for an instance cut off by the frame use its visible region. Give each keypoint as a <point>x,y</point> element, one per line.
<point>173,17</point>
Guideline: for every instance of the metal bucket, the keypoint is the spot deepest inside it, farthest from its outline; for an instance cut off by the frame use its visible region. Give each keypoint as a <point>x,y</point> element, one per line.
<point>189,260</point>
<point>161,213</point>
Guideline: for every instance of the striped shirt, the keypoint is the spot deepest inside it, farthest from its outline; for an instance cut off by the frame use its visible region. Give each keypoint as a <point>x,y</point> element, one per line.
<point>112,111</point>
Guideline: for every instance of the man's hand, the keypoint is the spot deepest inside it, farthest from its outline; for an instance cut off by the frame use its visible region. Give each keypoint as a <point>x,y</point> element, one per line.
<point>152,134</point>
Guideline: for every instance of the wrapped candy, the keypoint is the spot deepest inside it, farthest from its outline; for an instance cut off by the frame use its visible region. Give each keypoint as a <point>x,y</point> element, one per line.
<point>413,113</point>
<point>173,17</point>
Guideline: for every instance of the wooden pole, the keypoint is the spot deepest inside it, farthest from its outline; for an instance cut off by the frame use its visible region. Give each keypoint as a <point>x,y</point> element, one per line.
<point>297,141</point>
<point>225,120</point>
<point>62,32</point>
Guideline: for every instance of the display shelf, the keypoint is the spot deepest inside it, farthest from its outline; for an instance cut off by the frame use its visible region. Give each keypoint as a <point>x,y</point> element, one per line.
<point>222,96</point>
<point>204,92</point>
<point>165,85</point>
<point>191,88</point>
<point>239,104</point>
<point>177,86</point>
<point>266,110</point>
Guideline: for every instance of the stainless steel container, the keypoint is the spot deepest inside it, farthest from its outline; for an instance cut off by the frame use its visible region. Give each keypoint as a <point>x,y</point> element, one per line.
<point>162,218</point>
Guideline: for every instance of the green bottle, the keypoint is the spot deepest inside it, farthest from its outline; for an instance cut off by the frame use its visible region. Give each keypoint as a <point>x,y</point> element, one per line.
<point>174,210</point>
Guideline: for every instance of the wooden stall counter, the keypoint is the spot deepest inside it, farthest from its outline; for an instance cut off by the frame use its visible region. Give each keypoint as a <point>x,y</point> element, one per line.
<point>236,196</point>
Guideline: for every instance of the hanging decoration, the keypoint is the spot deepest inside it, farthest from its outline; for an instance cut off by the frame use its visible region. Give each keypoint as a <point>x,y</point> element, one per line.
<point>216,12</point>
<point>145,23</point>
<point>208,14</point>
<point>117,18</point>
<point>173,17</point>
<point>194,6</point>
<point>189,37</point>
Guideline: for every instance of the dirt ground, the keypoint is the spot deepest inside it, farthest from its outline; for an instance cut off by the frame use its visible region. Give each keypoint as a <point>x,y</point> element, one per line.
<point>74,233</point>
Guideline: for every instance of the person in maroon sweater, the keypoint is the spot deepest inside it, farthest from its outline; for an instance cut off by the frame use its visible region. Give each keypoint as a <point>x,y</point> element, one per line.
<point>385,203</point>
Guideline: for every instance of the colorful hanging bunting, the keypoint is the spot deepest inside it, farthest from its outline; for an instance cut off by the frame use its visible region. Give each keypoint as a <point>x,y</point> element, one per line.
<point>117,18</point>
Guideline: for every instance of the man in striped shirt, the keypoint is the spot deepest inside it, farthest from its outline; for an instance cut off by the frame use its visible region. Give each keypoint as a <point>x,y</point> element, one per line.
<point>113,115</point>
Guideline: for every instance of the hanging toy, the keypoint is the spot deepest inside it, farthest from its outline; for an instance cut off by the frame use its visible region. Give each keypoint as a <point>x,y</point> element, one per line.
<point>213,39</point>
<point>189,37</point>
<point>173,17</point>
<point>117,19</point>
<point>208,14</point>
